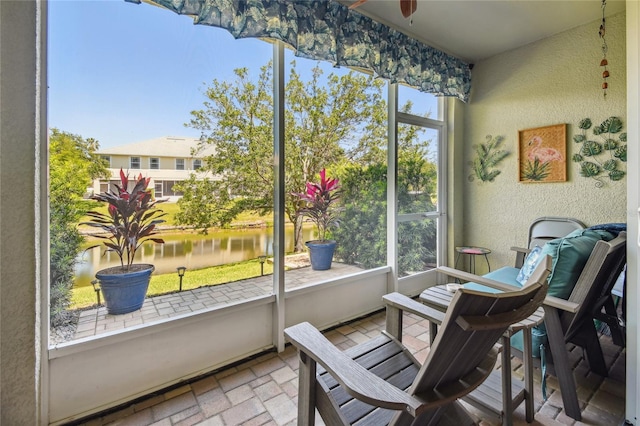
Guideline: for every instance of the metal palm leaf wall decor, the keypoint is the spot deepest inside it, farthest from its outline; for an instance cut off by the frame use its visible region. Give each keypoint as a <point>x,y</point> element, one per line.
<point>487,157</point>
<point>601,159</point>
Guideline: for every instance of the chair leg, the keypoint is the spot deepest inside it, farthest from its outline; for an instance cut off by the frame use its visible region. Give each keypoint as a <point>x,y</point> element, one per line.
<point>528,375</point>
<point>307,391</point>
<point>617,333</point>
<point>589,339</point>
<point>507,396</point>
<point>563,370</point>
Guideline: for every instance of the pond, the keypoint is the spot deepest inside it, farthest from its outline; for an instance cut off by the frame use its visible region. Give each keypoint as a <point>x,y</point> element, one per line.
<point>189,249</point>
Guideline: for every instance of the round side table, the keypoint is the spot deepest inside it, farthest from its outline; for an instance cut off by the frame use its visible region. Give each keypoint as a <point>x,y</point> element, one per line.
<point>472,252</point>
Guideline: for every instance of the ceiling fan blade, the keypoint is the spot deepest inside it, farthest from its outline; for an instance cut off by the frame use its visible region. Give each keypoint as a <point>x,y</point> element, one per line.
<point>407,7</point>
<point>356,4</point>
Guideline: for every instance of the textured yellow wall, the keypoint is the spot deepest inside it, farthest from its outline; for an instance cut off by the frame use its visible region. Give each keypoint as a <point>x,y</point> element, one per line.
<point>556,80</point>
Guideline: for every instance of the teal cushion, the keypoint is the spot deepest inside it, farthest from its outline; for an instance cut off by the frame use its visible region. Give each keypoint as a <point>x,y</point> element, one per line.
<point>569,254</point>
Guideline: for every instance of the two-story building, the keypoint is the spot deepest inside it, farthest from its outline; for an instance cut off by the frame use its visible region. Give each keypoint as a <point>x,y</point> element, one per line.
<point>166,160</point>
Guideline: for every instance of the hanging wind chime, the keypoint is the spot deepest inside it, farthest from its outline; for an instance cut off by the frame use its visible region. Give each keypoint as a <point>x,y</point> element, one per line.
<point>604,62</point>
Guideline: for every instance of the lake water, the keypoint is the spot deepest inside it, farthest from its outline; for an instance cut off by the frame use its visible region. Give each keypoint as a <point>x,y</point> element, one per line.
<point>192,250</point>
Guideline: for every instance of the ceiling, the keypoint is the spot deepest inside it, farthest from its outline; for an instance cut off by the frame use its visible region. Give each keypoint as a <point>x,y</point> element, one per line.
<point>478,29</point>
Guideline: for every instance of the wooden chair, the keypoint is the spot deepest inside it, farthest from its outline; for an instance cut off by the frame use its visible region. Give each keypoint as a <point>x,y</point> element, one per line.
<point>570,321</point>
<point>379,382</point>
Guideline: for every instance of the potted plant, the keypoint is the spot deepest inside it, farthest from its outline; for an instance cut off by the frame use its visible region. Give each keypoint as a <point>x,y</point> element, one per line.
<point>318,204</point>
<point>131,220</point>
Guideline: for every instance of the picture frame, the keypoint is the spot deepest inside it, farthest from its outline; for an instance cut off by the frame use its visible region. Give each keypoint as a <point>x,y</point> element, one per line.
<point>542,154</point>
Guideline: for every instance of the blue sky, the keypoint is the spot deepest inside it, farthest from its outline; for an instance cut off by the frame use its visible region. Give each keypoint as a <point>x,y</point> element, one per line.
<point>121,72</point>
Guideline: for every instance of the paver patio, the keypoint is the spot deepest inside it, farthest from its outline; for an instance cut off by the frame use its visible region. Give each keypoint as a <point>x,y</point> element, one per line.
<point>93,322</point>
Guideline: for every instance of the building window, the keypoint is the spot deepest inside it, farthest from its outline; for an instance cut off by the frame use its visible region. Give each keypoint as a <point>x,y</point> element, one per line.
<point>134,162</point>
<point>197,164</point>
<point>179,163</point>
<point>154,163</point>
<point>107,159</point>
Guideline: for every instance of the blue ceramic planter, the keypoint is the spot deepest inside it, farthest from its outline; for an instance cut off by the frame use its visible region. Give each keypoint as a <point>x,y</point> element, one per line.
<point>124,292</point>
<point>321,254</point>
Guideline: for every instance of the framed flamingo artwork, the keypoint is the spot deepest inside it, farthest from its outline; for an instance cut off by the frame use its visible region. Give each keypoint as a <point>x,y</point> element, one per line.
<point>542,154</point>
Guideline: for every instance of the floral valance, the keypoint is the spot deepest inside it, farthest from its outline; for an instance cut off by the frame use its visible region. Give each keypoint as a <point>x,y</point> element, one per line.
<point>327,30</point>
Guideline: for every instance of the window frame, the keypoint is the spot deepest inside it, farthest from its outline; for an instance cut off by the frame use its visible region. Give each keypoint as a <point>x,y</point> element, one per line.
<point>153,160</point>
<point>183,166</point>
<point>132,160</point>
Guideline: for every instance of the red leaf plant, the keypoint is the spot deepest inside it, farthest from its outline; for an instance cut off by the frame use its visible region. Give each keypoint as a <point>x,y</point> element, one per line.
<point>318,203</point>
<point>131,219</point>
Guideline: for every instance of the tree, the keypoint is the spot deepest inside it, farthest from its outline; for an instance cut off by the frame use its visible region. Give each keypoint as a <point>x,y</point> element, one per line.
<point>69,155</point>
<point>326,120</point>
<point>362,233</point>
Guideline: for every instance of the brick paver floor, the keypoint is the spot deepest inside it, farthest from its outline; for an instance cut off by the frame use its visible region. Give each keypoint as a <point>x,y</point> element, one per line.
<point>263,390</point>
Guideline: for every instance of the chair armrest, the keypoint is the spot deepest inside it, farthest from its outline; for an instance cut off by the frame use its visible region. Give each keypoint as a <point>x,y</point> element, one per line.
<point>455,273</point>
<point>404,303</point>
<point>521,249</point>
<point>565,305</point>
<point>357,380</point>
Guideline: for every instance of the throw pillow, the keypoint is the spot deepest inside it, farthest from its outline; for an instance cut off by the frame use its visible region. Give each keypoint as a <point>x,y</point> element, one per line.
<point>529,265</point>
<point>569,255</point>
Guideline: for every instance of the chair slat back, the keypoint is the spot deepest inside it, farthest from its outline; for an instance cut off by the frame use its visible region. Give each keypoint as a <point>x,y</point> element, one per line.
<point>472,325</point>
<point>597,279</point>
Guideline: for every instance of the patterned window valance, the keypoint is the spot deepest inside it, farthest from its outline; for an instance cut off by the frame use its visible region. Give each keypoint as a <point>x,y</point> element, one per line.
<point>327,30</point>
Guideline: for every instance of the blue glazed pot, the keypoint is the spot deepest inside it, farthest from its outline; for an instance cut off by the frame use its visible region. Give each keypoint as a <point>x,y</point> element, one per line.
<point>321,254</point>
<point>124,291</point>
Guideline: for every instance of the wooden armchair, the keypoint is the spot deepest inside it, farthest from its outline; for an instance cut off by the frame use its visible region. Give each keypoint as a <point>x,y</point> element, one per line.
<point>566,321</point>
<point>379,382</point>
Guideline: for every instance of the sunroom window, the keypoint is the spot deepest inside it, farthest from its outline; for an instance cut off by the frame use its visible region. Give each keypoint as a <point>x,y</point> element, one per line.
<point>334,122</point>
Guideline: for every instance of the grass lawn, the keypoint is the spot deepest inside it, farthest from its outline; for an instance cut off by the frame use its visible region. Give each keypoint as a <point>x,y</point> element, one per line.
<point>166,283</point>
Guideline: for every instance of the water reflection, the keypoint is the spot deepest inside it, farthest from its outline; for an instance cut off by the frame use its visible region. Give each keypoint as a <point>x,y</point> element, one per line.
<point>194,251</point>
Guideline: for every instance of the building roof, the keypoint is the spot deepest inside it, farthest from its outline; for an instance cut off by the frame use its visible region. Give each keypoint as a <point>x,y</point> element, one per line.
<point>166,146</point>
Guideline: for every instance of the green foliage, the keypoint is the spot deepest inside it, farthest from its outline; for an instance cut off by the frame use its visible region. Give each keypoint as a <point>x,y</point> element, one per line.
<point>613,146</point>
<point>327,119</point>
<point>487,157</point>
<point>69,155</point>
<point>362,233</point>
<point>205,204</point>
<point>363,227</point>
<point>535,171</point>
